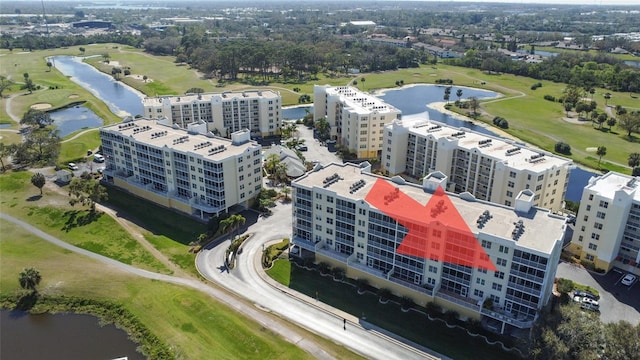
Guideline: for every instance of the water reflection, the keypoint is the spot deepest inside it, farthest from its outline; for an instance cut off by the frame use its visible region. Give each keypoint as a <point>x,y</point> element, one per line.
<point>72,119</point>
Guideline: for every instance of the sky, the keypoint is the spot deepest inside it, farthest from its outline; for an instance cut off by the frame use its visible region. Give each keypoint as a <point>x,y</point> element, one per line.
<point>574,2</point>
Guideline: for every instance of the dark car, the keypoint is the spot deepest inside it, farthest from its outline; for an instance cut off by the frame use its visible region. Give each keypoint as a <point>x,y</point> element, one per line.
<point>586,294</point>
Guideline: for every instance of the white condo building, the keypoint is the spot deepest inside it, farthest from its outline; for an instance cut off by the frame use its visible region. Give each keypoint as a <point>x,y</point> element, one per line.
<point>357,119</point>
<point>190,170</point>
<point>260,111</point>
<point>334,222</point>
<point>607,230</point>
<point>490,168</point>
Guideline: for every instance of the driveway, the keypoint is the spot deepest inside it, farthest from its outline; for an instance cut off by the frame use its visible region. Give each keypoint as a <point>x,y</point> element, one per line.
<point>248,280</point>
<point>316,151</point>
<point>617,302</point>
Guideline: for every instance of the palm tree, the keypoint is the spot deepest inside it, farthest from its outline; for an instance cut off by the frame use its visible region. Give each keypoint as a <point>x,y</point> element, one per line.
<point>272,162</point>
<point>606,96</point>
<point>29,279</point>
<point>49,65</point>
<point>323,129</point>
<point>634,160</point>
<point>459,94</point>
<point>237,220</point>
<point>286,191</point>
<point>602,151</point>
<point>280,174</point>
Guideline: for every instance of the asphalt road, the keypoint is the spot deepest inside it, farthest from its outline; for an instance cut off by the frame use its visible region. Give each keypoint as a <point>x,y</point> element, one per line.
<point>316,151</point>
<point>245,280</point>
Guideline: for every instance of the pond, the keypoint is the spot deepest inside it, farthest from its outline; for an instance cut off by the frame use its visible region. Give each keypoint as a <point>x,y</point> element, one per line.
<point>414,99</point>
<point>296,112</point>
<point>633,63</point>
<point>61,336</point>
<point>72,119</point>
<point>121,99</point>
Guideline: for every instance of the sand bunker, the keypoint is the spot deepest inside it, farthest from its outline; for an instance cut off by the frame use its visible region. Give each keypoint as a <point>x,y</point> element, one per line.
<point>41,106</point>
<point>140,78</point>
<point>74,96</point>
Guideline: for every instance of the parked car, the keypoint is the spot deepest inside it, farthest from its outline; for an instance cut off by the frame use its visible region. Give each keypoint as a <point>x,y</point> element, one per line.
<point>628,279</point>
<point>73,166</point>
<point>98,158</point>
<point>586,294</point>
<point>302,148</point>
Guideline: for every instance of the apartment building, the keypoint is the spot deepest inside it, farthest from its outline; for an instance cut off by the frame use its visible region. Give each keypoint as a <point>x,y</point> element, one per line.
<point>189,170</point>
<point>335,222</point>
<point>490,168</point>
<point>224,113</point>
<point>607,229</point>
<point>357,119</point>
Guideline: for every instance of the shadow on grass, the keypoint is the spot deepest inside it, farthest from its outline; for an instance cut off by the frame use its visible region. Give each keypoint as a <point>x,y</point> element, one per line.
<point>27,301</point>
<point>77,218</point>
<point>416,327</point>
<point>34,198</point>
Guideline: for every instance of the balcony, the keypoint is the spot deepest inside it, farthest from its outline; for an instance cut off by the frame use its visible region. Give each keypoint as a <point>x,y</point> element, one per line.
<point>508,317</point>
<point>412,286</point>
<point>362,267</point>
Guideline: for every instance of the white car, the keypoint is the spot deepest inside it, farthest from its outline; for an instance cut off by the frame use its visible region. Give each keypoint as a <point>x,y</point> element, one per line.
<point>628,279</point>
<point>73,166</point>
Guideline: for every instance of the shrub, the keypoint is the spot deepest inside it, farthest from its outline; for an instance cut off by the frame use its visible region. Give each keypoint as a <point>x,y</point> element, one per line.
<point>563,148</point>
<point>384,293</point>
<point>500,122</point>
<point>127,72</point>
<point>406,302</point>
<point>338,273</point>
<point>536,85</point>
<point>324,268</point>
<point>451,316</point>
<point>564,285</point>
<point>362,284</point>
<point>550,98</point>
<point>444,81</point>
<point>433,308</point>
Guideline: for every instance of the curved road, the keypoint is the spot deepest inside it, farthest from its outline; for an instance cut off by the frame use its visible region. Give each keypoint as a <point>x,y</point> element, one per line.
<point>256,314</point>
<point>248,280</point>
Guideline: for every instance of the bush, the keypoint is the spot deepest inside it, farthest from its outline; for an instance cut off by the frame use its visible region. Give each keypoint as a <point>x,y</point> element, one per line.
<point>536,85</point>
<point>444,81</point>
<point>338,273</point>
<point>433,308</point>
<point>564,285</point>
<point>362,284</point>
<point>384,294</point>
<point>451,316</point>
<point>324,268</point>
<point>406,302</point>
<point>550,98</point>
<point>563,148</point>
<point>500,122</point>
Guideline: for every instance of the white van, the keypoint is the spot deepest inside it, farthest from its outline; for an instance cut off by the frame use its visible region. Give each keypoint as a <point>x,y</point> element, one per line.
<point>98,158</point>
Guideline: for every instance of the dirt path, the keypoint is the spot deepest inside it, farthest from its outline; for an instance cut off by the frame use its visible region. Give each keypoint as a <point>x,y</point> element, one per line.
<point>79,134</point>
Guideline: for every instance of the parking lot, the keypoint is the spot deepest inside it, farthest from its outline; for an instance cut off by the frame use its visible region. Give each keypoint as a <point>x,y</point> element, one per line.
<point>315,150</point>
<point>617,301</point>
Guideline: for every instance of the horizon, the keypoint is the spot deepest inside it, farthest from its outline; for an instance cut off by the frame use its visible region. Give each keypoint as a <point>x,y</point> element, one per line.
<point>514,2</point>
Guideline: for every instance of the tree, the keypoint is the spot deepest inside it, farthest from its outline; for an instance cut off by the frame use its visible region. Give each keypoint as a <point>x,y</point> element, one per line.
<point>145,78</point>
<point>602,151</point>
<point>475,104</point>
<point>105,57</point>
<point>116,71</point>
<point>602,118</point>
<point>629,122</point>
<point>232,223</point>
<point>280,174</point>
<point>606,96</point>
<point>29,278</point>
<point>38,180</point>
<point>49,65</point>
<point>447,94</point>
<point>5,84</point>
<point>634,160</point>
<point>270,164</point>
<point>622,341</point>
<point>323,129</point>
<point>563,148</point>
<point>611,122</point>
<point>5,150</point>
<point>193,90</point>
<point>28,83</point>
<point>36,118</point>
<point>82,50</point>
<point>40,146</point>
<point>459,94</point>
<point>86,192</point>
<point>286,191</point>
<point>572,94</point>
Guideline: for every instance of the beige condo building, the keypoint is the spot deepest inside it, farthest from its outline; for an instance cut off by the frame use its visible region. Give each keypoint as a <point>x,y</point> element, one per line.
<point>357,119</point>
<point>189,170</point>
<point>260,111</point>
<point>607,229</point>
<point>490,168</point>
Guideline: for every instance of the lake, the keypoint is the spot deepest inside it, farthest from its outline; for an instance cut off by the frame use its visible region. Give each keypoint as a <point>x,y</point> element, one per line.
<point>72,119</point>
<point>121,99</point>
<point>61,336</point>
<point>296,112</point>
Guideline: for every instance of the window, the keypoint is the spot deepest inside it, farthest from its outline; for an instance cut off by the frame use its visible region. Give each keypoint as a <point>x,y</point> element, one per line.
<point>509,193</point>
<point>588,207</point>
<point>486,244</point>
<point>595,236</point>
<point>496,286</point>
<point>600,215</point>
<point>499,274</point>
<point>433,269</point>
<point>540,177</point>
<point>580,238</point>
<point>478,293</point>
<point>319,196</point>
<point>329,231</point>
<point>330,210</point>
<point>591,197</point>
<point>360,256</point>
<point>480,281</point>
<point>330,199</point>
<point>597,226</point>
<point>511,184</point>
<point>589,257</point>
<point>501,262</point>
<point>503,249</point>
<point>604,204</point>
<point>318,227</point>
<point>586,218</point>
<point>330,221</point>
<point>539,187</point>
<point>512,174</point>
<point>593,246</point>
<point>431,281</point>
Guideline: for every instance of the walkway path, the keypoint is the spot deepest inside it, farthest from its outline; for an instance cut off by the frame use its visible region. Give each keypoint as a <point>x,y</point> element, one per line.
<point>263,318</point>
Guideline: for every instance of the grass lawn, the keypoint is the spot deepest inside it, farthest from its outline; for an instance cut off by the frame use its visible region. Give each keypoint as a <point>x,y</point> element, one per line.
<point>454,343</point>
<point>168,231</point>
<point>194,325</point>
<point>97,232</point>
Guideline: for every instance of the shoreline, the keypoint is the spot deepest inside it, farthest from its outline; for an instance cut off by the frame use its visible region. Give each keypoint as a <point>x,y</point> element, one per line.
<point>379,92</point>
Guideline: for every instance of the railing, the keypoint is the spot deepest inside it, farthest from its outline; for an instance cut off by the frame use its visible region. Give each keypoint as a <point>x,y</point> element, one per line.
<point>362,267</point>
<point>461,302</point>
<point>332,254</point>
<point>507,317</point>
<point>411,286</point>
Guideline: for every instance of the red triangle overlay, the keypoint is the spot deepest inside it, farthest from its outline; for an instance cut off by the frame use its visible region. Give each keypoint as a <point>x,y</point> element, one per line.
<point>437,231</point>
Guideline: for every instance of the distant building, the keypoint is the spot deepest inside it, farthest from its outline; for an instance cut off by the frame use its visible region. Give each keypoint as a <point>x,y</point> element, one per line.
<point>333,222</point>
<point>607,230</point>
<point>96,24</point>
<point>224,113</point>
<point>438,51</point>
<point>490,168</point>
<point>190,170</point>
<point>356,119</point>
